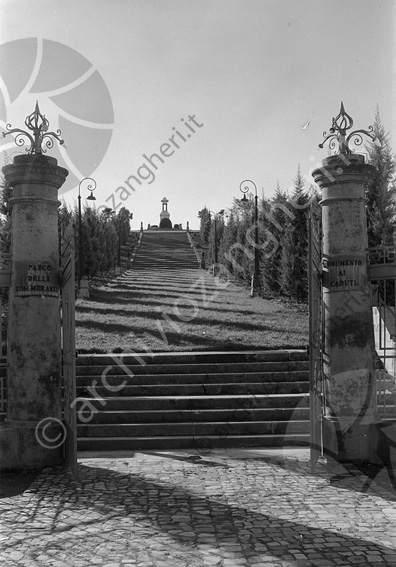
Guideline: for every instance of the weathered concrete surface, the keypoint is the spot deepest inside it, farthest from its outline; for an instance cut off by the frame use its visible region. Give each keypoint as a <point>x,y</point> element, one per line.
<point>349,357</point>
<point>34,349</point>
<point>224,508</point>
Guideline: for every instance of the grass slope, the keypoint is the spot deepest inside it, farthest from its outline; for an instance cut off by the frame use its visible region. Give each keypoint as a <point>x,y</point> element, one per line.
<point>180,310</point>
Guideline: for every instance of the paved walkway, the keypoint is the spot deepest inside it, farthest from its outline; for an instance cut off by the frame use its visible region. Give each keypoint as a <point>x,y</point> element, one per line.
<point>224,508</point>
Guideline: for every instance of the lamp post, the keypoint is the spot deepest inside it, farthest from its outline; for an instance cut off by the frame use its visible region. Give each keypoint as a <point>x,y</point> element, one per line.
<point>90,185</point>
<point>244,187</point>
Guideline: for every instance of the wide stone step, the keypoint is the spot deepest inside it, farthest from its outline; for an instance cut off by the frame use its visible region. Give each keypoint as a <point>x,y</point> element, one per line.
<point>116,380</point>
<point>166,242</point>
<point>192,402</point>
<point>112,367</point>
<point>191,428</point>
<point>159,358</point>
<point>166,247</point>
<point>166,255</point>
<point>156,256</point>
<point>253,388</point>
<point>169,266</point>
<point>176,416</point>
<point>165,263</point>
<point>165,252</point>
<point>188,442</point>
<point>160,253</point>
<point>158,266</point>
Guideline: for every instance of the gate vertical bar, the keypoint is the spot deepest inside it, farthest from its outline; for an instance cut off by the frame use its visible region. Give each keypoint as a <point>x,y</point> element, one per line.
<point>69,349</point>
<point>315,343</point>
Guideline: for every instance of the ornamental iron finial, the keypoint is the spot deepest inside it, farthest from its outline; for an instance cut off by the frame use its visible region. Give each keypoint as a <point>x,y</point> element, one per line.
<point>338,133</point>
<point>38,124</point>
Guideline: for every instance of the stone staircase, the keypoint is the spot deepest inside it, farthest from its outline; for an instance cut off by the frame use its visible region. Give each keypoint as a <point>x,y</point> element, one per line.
<point>192,400</point>
<point>165,249</point>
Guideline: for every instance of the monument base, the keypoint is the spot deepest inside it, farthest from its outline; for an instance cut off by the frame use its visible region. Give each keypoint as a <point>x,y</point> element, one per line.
<point>21,450</point>
<point>384,441</point>
<point>356,444</point>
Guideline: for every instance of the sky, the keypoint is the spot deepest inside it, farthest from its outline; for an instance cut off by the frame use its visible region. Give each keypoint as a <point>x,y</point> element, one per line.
<point>185,99</point>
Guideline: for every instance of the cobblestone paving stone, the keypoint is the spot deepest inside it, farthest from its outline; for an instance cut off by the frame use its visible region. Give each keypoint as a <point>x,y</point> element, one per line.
<point>219,509</point>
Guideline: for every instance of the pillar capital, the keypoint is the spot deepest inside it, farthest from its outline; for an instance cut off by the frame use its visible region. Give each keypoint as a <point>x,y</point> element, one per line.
<point>343,169</point>
<point>34,169</point>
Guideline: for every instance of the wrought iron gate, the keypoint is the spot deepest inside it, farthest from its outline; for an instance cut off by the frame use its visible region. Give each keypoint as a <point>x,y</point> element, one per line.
<point>5,282</point>
<point>316,390</point>
<point>68,346</point>
<point>382,275</point>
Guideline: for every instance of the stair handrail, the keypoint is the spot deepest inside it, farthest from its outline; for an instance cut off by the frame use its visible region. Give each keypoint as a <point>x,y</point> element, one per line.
<point>380,255</point>
<point>386,393</point>
<point>385,382</point>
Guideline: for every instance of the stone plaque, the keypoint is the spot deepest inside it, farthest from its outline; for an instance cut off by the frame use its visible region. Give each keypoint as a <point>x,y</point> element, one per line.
<point>343,273</point>
<point>36,278</point>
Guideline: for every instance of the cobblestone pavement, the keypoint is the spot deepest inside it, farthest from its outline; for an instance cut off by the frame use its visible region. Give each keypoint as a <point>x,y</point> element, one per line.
<point>222,508</point>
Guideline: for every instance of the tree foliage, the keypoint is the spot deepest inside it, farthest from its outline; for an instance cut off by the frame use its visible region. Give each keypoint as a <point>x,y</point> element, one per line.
<point>276,216</point>
<point>204,225</point>
<point>6,194</point>
<point>381,192</point>
<point>282,240</point>
<point>293,274</point>
<point>101,236</point>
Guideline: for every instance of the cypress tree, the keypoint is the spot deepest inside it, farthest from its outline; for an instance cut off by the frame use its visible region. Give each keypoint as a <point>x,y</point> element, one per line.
<point>277,216</point>
<point>381,191</point>
<point>214,240</point>
<point>293,279</point>
<point>229,238</point>
<point>204,226</point>
<point>6,193</point>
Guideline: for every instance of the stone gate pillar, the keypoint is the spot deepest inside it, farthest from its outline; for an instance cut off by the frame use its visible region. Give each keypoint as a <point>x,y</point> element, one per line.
<point>349,348</point>
<point>34,341</point>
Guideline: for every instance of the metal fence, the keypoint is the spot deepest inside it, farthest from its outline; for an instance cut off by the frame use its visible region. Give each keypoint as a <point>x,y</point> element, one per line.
<point>5,280</point>
<point>382,275</point>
